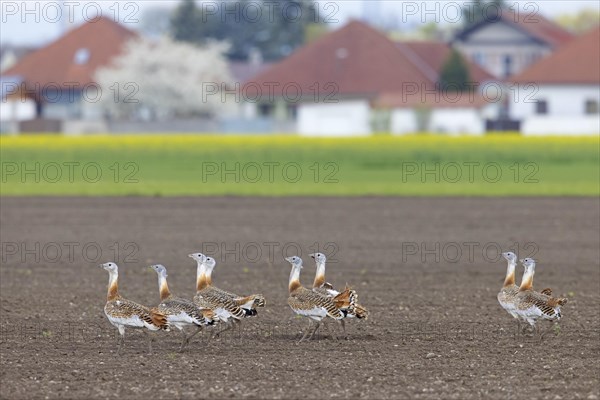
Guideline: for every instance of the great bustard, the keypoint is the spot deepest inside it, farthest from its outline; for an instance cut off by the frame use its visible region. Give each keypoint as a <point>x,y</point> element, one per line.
<point>342,299</point>
<point>509,290</point>
<point>206,296</point>
<point>124,313</point>
<point>532,305</point>
<point>181,313</point>
<point>309,303</point>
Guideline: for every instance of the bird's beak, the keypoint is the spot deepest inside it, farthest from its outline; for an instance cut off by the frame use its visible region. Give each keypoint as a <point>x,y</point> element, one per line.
<point>101,265</point>
<point>522,261</point>
<point>190,255</point>
<point>288,259</point>
<point>312,255</point>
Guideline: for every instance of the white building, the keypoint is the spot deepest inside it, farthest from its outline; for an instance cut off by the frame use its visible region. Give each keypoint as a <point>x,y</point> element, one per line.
<point>15,104</point>
<point>59,79</point>
<point>505,43</point>
<point>331,87</point>
<point>561,93</point>
<point>453,114</point>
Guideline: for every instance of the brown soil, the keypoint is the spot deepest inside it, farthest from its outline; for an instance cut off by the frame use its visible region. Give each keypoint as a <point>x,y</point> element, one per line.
<point>435,330</point>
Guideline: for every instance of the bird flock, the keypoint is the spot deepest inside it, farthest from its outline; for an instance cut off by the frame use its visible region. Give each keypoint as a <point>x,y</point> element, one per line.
<point>213,306</point>
<point>523,302</point>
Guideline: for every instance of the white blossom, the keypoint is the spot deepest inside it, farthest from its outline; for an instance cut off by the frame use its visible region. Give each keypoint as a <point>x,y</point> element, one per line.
<point>164,78</point>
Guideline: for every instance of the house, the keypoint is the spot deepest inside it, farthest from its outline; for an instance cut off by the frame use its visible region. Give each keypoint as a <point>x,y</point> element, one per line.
<point>507,42</point>
<point>452,113</point>
<point>330,86</point>
<point>59,76</point>
<point>560,94</point>
<point>10,55</point>
<point>16,103</point>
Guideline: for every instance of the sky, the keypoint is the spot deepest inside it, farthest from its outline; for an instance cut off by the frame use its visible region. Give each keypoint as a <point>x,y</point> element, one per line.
<point>34,23</point>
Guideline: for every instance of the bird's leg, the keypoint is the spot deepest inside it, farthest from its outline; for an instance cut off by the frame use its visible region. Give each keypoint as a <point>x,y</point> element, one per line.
<point>184,341</point>
<point>331,333</point>
<point>544,332</point>
<point>523,328</point>
<point>315,330</point>
<point>150,340</point>
<point>228,326</point>
<point>343,324</point>
<point>307,330</point>
<point>121,339</point>
<point>194,334</point>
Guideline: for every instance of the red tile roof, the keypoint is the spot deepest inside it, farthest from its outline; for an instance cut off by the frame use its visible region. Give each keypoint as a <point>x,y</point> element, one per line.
<point>578,62</point>
<point>355,60</point>
<point>435,54</point>
<point>431,100</point>
<point>55,63</point>
<point>538,26</point>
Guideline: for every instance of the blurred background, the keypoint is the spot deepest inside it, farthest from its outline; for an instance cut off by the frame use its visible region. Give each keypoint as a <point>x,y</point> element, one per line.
<point>351,68</point>
<point>294,97</point>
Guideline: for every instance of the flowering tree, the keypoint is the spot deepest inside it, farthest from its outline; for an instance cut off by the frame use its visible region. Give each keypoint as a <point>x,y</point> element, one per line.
<point>164,78</point>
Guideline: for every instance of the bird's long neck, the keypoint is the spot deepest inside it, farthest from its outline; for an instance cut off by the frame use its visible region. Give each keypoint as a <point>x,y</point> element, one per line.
<point>527,282</point>
<point>163,287</point>
<point>201,276</point>
<point>113,286</point>
<point>208,276</point>
<point>294,279</point>
<point>320,275</point>
<point>510,274</point>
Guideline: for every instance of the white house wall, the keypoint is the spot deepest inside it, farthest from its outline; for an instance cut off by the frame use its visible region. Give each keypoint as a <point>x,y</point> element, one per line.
<point>566,109</point>
<point>441,120</point>
<point>346,118</point>
<point>17,110</point>
<point>563,100</point>
<point>540,126</point>
<point>456,121</point>
<point>403,121</point>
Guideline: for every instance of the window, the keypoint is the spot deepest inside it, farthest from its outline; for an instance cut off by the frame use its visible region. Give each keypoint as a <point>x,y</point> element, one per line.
<point>591,107</point>
<point>265,109</point>
<point>541,107</point>
<point>507,63</point>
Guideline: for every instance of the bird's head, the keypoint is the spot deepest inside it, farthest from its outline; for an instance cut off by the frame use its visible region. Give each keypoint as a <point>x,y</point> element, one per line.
<point>199,257</point>
<point>160,269</point>
<point>295,261</point>
<point>110,267</point>
<point>510,256</point>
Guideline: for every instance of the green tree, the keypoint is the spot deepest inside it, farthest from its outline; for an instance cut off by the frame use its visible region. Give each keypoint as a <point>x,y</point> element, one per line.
<point>581,22</point>
<point>186,22</point>
<point>283,25</point>
<point>455,73</point>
